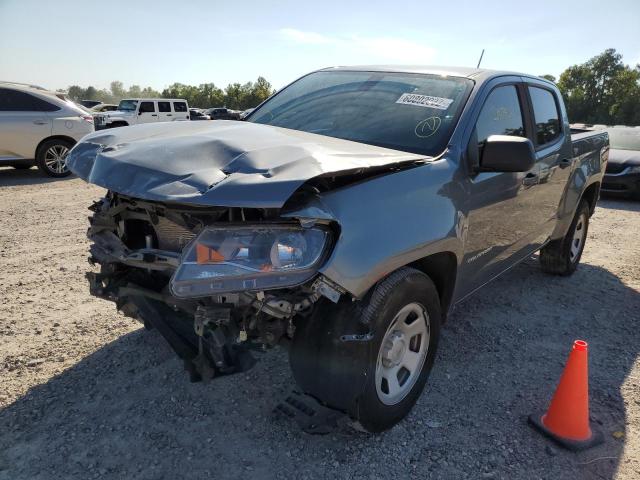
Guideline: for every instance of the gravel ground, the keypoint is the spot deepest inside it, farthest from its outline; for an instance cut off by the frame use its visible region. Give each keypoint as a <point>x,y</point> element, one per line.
<point>86,393</point>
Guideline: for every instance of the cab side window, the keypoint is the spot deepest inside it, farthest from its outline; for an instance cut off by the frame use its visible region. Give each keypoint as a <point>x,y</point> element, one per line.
<point>147,107</point>
<point>500,115</point>
<point>545,113</point>
<point>164,107</point>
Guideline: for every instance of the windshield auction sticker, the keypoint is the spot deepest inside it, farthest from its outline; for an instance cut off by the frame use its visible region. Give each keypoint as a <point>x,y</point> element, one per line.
<point>424,101</point>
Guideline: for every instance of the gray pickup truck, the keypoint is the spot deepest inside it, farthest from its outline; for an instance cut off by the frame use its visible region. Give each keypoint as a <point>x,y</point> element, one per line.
<point>345,216</point>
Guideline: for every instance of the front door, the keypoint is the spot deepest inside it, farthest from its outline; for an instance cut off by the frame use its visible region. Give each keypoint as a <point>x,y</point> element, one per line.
<point>147,112</point>
<point>503,220</point>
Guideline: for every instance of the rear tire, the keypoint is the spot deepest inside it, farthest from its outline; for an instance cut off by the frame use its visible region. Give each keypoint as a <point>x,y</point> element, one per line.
<point>51,158</point>
<point>562,256</point>
<point>356,374</point>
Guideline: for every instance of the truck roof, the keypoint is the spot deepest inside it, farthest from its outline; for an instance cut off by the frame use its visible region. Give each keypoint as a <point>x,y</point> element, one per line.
<point>477,74</point>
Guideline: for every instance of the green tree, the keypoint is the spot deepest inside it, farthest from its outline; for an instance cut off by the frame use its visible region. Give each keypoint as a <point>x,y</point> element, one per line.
<point>134,91</point>
<point>602,90</point>
<point>235,96</point>
<point>74,92</point>
<point>551,78</point>
<point>117,90</point>
<point>90,93</point>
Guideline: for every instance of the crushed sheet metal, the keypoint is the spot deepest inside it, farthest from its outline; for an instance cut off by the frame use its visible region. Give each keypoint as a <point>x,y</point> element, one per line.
<point>221,163</point>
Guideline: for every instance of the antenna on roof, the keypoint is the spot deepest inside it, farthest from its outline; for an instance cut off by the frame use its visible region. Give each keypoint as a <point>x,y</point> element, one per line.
<point>480,61</point>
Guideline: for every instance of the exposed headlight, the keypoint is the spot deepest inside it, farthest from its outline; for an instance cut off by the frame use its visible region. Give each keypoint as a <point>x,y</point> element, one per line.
<point>232,259</point>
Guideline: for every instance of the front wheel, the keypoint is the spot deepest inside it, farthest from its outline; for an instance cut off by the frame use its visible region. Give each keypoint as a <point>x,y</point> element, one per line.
<point>376,378</point>
<point>51,158</point>
<point>562,256</point>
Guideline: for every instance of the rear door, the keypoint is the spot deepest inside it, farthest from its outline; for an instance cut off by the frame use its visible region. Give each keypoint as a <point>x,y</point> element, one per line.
<point>24,123</point>
<point>180,110</point>
<point>147,112</point>
<point>553,151</point>
<point>165,114</point>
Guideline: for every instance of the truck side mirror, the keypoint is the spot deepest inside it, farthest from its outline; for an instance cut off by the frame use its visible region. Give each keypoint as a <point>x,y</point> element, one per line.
<point>506,153</point>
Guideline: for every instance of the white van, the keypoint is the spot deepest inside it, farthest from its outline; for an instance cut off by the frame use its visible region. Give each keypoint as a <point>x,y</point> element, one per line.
<point>133,111</point>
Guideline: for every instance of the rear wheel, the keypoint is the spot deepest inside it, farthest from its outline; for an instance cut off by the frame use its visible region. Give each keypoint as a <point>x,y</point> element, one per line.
<point>376,378</point>
<point>562,256</point>
<point>52,157</point>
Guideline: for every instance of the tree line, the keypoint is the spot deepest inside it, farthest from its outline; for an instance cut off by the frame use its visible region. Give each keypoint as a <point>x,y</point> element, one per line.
<point>602,90</point>
<point>235,96</point>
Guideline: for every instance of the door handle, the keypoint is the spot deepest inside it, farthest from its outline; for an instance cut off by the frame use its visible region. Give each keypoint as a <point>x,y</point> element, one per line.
<point>530,179</point>
<point>565,163</point>
<point>154,114</point>
<point>40,122</point>
<point>169,114</point>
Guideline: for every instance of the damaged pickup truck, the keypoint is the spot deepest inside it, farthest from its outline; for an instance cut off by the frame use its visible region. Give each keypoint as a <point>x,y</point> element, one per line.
<point>346,215</point>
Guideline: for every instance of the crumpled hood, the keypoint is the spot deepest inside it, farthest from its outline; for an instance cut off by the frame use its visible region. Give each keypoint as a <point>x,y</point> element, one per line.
<point>218,163</point>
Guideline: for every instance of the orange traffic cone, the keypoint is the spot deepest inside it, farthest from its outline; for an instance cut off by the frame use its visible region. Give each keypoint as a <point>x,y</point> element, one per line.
<point>567,419</point>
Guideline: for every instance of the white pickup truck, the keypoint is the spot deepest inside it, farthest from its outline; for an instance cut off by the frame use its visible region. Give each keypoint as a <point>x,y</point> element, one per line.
<point>133,111</point>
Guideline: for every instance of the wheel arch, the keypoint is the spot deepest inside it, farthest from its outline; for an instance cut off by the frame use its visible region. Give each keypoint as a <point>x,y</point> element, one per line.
<point>591,194</point>
<point>54,137</point>
<point>442,269</point>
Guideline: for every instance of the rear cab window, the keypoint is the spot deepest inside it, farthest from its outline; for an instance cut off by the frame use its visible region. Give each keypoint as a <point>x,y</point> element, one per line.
<point>546,115</point>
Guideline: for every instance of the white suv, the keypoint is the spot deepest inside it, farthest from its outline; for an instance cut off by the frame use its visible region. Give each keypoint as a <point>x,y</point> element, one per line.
<point>39,127</point>
<point>133,111</point>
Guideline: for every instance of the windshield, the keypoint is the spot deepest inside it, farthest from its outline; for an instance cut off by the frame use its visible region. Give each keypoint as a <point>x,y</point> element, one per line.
<point>128,105</point>
<point>409,112</point>
<point>624,138</point>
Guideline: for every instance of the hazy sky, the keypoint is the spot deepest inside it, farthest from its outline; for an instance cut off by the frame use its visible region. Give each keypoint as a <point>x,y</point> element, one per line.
<point>58,43</point>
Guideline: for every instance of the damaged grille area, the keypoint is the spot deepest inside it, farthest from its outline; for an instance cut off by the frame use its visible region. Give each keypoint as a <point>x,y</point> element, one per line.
<point>172,236</point>
<point>138,244</point>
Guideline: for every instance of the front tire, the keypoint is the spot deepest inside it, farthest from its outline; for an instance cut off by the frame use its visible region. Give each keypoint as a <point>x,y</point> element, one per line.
<point>562,256</point>
<point>378,378</point>
<point>51,158</point>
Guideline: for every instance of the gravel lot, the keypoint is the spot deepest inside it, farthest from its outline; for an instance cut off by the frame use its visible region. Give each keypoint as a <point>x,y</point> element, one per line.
<point>86,393</point>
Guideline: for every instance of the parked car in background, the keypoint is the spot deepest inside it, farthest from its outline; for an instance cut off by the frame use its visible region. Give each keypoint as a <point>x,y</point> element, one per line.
<point>197,114</point>
<point>104,107</point>
<point>39,127</point>
<point>89,103</point>
<point>133,111</point>
<point>348,215</point>
<point>623,170</point>
<point>223,114</point>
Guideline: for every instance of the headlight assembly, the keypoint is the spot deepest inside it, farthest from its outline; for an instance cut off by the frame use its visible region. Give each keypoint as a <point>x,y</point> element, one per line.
<point>240,258</point>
